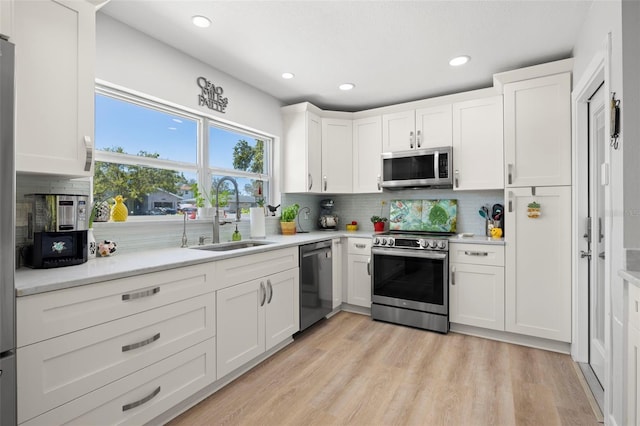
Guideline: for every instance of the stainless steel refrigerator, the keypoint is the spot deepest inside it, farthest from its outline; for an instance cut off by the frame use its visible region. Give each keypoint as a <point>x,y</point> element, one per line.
<point>7,239</point>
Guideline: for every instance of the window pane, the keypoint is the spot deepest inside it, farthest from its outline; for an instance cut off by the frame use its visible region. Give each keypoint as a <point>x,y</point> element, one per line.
<point>235,151</point>
<point>124,126</point>
<point>251,192</point>
<point>147,191</point>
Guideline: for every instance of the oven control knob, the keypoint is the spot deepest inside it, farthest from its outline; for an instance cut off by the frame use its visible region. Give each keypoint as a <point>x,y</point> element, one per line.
<point>422,243</point>
<point>376,241</point>
<point>383,241</point>
<point>442,244</point>
<point>432,243</point>
<point>391,242</point>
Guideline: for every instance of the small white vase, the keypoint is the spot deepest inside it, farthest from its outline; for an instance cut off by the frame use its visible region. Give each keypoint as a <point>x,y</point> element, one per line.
<point>256,215</point>
<point>206,213</point>
<point>92,247</point>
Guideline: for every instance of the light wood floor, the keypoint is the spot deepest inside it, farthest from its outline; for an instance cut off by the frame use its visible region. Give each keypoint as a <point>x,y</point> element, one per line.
<point>352,370</point>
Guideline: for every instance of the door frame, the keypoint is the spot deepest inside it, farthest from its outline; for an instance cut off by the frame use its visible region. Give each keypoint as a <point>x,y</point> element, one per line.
<point>598,71</point>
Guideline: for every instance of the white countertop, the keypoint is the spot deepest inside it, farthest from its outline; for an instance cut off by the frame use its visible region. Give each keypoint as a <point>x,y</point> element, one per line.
<point>33,281</point>
<point>632,277</point>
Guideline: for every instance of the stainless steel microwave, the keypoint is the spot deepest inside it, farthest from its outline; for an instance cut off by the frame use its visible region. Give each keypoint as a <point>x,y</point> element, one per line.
<point>428,167</point>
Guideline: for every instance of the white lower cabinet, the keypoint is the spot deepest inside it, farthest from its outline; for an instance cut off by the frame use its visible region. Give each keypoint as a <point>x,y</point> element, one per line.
<point>255,316</point>
<point>336,271</point>
<point>358,276</point>
<point>140,397</point>
<point>476,285</point>
<point>633,357</point>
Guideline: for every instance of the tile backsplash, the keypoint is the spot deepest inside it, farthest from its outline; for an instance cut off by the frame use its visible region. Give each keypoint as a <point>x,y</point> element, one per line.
<point>136,235</point>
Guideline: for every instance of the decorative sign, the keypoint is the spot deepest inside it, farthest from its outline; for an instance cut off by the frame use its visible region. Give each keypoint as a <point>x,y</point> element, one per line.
<point>211,95</point>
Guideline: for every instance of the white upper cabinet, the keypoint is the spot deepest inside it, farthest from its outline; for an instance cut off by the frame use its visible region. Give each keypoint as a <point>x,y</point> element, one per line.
<point>537,131</point>
<point>55,55</point>
<point>337,156</point>
<point>367,147</point>
<point>6,18</point>
<point>415,129</point>
<point>478,144</point>
<point>302,152</point>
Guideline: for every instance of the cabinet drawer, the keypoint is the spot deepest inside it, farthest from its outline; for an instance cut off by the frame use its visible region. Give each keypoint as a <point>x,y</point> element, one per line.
<point>140,397</point>
<point>246,268</point>
<point>634,306</point>
<point>359,246</point>
<point>46,315</point>
<point>55,371</point>
<point>477,254</point>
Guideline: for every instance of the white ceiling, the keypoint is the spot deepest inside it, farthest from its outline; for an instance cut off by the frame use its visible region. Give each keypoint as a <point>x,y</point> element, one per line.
<point>393,51</point>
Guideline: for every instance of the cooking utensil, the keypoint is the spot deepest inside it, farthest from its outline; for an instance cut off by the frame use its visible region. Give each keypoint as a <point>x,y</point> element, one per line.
<point>497,211</point>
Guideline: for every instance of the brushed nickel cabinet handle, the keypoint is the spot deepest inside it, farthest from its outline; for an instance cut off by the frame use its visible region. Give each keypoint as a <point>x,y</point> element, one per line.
<point>369,266</point>
<point>141,294</point>
<point>89,148</point>
<point>419,138</point>
<point>141,343</point>
<point>141,401</point>
<point>263,293</point>
<point>453,275</point>
<point>411,139</point>
<point>325,182</point>
<point>457,173</point>
<point>476,253</point>
<point>379,183</point>
<point>360,246</point>
<point>310,181</point>
<point>510,173</point>
<point>270,288</point>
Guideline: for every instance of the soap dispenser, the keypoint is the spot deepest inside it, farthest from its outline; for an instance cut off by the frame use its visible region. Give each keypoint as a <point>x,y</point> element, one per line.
<point>236,235</point>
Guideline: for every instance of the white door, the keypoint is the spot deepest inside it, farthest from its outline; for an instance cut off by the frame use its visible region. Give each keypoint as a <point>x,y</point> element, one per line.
<point>337,156</point>
<point>597,143</point>
<point>367,146</point>
<point>398,131</point>
<point>359,281</point>
<point>282,307</point>
<point>433,127</point>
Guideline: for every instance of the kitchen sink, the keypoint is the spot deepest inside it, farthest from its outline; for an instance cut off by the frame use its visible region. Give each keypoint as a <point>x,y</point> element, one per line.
<point>233,245</point>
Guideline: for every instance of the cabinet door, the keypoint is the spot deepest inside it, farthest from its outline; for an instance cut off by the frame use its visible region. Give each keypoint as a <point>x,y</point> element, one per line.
<point>538,263</point>
<point>54,110</point>
<point>478,144</point>
<point>537,131</point>
<point>359,280</point>
<point>336,271</point>
<point>6,18</point>
<point>633,382</point>
<point>367,146</point>
<point>301,152</point>
<point>476,295</point>
<point>337,156</point>
<point>282,306</point>
<point>398,131</point>
<point>433,127</point>
<point>240,318</point>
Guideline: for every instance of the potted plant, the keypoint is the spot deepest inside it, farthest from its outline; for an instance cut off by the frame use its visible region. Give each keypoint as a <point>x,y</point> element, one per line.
<point>378,223</point>
<point>203,203</point>
<point>287,219</point>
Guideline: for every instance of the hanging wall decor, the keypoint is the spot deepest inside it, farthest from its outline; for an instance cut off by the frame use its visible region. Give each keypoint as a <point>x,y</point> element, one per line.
<point>211,95</point>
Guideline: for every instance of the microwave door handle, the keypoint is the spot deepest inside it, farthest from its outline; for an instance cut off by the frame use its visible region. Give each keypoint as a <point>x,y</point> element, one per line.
<point>436,166</point>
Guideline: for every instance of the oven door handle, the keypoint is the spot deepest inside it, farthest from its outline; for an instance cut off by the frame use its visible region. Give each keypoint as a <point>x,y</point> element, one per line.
<point>369,266</point>
<point>425,254</point>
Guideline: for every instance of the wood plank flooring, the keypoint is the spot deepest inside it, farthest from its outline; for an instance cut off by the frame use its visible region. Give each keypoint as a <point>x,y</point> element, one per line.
<point>350,370</point>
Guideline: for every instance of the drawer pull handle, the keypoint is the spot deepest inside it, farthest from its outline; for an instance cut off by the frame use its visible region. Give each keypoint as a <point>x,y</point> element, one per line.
<point>263,293</point>
<point>139,294</point>
<point>270,288</point>
<point>141,401</point>
<point>361,246</point>
<point>476,253</point>
<point>140,344</point>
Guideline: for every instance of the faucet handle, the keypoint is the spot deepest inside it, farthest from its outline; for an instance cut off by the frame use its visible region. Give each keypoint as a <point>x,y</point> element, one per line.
<point>201,239</point>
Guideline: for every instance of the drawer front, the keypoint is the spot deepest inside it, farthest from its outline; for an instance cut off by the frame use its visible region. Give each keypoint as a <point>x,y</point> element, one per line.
<point>55,371</point>
<point>46,315</point>
<point>634,306</point>
<point>359,246</point>
<point>246,268</point>
<point>477,254</point>
<point>140,397</point>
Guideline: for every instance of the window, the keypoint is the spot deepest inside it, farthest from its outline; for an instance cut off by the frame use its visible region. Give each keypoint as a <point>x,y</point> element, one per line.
<point>162,162</point>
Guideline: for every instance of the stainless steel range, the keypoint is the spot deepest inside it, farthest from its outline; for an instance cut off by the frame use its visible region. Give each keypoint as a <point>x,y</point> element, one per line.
<point>410,280</point>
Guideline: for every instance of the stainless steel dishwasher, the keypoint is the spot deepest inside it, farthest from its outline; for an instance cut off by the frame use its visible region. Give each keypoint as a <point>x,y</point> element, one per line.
<point>316,284</point>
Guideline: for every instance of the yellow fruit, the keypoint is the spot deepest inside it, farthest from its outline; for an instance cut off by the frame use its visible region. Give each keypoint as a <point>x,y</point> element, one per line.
<point>119,210</point>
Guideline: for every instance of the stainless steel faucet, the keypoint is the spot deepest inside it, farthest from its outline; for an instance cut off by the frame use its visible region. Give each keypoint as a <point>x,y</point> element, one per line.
<point>216,220</point>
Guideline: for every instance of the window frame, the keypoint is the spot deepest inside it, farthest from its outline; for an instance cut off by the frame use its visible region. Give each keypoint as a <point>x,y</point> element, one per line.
<point>201,168</point>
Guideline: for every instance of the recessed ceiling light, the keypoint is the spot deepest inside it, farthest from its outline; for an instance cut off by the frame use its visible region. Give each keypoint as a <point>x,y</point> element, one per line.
<point>288,75</point>
<point>346,86</point>
<point>201,21</point>
<point>459,60</point>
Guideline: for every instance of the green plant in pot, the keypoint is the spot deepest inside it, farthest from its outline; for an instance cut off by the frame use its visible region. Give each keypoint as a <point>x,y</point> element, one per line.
<point>288,219</point>
<point>378,223</point>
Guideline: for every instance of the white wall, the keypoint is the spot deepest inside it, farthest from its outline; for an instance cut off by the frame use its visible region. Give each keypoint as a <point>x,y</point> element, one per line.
<point>129,58</point>
<point>605,17</point>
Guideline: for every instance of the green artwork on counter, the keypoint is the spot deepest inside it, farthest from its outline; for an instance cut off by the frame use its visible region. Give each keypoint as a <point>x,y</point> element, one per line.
<point>423,215</point>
